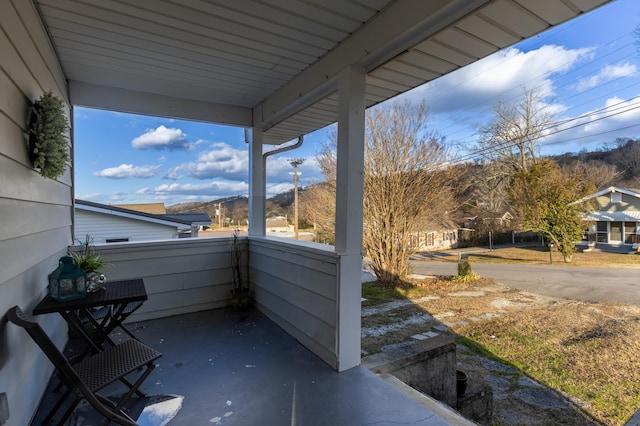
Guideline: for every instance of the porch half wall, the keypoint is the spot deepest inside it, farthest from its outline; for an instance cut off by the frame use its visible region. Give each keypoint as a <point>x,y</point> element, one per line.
<point>180,275</point>
<point>295,282</point>
<point>296,286</point>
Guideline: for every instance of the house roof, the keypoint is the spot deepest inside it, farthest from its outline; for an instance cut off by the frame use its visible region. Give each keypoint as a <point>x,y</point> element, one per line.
<point>616,216</point>
<point>153,208</point>
<point>182,222</point>
<point>627,191</point>
<point>622,216</point>
<point>193,218</point>
<point>274,65</point>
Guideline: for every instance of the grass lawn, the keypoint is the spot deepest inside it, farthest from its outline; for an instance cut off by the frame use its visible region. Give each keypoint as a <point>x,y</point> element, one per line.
<point>540,255</point>
<point>589,351</point>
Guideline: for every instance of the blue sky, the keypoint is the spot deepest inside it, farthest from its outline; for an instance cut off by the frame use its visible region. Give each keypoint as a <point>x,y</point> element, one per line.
<point>588,70</point>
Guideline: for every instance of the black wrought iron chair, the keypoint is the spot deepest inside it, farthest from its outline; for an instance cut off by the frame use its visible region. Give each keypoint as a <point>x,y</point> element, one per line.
<point>86,378</point>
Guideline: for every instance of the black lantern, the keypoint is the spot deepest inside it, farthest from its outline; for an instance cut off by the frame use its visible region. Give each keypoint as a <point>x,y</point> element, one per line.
<point>68,282</point>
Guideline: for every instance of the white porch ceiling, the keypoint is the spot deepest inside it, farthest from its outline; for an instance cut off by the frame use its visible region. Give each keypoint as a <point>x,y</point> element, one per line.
<point>273,64</point>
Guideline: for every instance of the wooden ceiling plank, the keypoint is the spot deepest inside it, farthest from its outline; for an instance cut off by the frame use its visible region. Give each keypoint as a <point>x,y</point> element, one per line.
<point>514,17</point>
<point>465,42</point>
<point>428,62</point>
<point>246,18</point>
<point>337,19</point>
<point>390,74</point>
<point>480,28</point>
<point>142,28</point>
<point>552,11</point>
<point>133,56</point>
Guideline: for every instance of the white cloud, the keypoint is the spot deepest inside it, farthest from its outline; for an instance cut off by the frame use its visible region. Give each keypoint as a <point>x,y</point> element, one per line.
<point>278,188</point>
<point>211,189</point>
<point>503,74</point>
<point>89,197</point>
<point>126,171</point>
<point>173,174</point>
<point>617,118</point>
<point>118,197</point>
<point>610,72</point>
<point>163,138</point>
<point>221,161</point>
<point>279,169</point>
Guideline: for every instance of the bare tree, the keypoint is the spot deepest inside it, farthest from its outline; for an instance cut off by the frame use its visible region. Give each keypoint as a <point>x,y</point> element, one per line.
<point>509,145</point>
<point>513,134</point>
<point>318,207</point>
<point>601,174</point>
<point>406,184</point>
<point>490,182</point>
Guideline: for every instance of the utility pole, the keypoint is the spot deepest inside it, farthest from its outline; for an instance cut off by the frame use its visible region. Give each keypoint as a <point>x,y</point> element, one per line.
<point>295,163</point>
<point>220,216</point>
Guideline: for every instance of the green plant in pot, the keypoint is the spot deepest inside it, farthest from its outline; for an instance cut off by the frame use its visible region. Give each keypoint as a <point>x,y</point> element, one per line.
<point>240,291</point>
<point>89,261</point>
<point>48,143</point>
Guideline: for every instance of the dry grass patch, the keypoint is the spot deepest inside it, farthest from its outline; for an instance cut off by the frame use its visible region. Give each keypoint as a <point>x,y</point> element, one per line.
<point>540,255</point>
<point>589,351</point>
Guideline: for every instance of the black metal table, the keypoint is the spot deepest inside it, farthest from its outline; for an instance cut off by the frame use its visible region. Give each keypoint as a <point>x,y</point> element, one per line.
<point>116,302</point>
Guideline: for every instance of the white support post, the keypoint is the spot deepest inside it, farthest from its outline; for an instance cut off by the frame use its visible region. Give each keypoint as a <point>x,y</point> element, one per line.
<point>349,196</point>
<point>257,185</point>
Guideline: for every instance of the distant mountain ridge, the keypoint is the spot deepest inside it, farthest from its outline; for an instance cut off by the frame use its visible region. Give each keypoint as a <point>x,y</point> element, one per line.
<point>229,204</point>
<point>236,207</point>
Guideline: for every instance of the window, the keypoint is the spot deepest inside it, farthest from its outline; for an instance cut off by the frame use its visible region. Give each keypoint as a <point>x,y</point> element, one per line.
<point>601,232</point>
<point>429,239</point>
<point>615,231</point>
<point>630,233</point>
<point>117,240</point>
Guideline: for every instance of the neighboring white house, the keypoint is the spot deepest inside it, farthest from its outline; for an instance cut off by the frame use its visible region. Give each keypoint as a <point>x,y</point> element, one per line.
<point>616,220</point>
<point>111,224</point>
<point>278,224</point>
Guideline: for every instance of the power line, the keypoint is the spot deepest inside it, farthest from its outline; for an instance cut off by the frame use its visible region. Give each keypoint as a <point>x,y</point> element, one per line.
<point>543,76</point>
<point>503,145</point>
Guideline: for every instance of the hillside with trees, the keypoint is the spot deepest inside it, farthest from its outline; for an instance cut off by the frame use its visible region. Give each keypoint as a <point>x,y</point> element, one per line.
<point>235,210</point>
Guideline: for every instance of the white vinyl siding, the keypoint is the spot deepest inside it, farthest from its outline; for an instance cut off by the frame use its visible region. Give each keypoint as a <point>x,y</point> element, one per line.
<point>103,227</point>
<point>181,275</point>
<point>35,212</point>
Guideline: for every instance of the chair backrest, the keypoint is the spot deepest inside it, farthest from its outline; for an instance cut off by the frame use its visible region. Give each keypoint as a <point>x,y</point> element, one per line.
<point>66,374</point>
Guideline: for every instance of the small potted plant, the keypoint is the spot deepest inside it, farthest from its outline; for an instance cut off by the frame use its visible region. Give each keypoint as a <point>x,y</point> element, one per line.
<point>240,291</point>
<point>90,262</point>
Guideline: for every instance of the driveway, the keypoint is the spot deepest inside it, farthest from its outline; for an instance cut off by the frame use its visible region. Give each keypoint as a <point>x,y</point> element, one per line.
<point>571,282</point>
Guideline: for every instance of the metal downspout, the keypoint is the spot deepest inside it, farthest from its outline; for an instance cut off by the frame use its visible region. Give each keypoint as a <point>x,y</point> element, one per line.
<point>283,149</point>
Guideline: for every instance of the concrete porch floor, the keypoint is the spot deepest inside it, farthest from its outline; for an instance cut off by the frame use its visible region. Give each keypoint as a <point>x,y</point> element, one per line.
<point>242,369</point>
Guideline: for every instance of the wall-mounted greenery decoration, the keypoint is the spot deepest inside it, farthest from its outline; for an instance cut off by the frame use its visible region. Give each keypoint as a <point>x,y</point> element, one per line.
<point>48,145</point>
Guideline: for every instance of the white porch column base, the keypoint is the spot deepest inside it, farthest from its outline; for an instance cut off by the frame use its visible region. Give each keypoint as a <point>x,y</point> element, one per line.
<point>349,195</point>
<point>349,310</point>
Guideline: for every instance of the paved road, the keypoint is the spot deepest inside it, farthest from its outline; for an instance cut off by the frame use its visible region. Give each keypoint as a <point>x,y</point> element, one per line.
<point>590,284</point>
